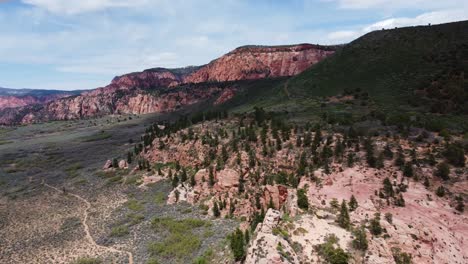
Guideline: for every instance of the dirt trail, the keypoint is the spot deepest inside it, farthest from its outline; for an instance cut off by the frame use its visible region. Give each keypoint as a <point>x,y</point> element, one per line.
<point>86,227</point>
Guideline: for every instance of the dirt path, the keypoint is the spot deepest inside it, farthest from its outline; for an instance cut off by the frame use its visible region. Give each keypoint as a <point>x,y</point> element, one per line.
<point>86,227</point>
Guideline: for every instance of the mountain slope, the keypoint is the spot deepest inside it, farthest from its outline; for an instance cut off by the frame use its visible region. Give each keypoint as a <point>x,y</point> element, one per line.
<point>387,73</point>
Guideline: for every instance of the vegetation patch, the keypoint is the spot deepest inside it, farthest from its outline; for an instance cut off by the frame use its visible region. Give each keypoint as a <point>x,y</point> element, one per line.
<point>180,240</point>
<point>102,135</point>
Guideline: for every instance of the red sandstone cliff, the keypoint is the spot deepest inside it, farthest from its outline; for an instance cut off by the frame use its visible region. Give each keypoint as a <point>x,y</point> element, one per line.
<point>255,62</point>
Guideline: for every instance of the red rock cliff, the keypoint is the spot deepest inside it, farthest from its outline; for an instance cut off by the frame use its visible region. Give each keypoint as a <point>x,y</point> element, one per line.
<point>255,62</point>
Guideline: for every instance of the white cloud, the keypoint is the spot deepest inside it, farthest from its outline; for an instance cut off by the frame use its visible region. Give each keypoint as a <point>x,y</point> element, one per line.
<point>81,6</point>
<point>399,4</point>
<point>436,17</point>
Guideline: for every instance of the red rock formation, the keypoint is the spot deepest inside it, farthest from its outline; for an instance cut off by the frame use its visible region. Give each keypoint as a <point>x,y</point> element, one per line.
<point>11,101</point>
<point>154,90</point>
<point>252,62</point>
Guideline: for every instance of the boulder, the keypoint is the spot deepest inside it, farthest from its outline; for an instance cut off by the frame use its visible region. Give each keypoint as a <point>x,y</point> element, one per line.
<point>123,164</point>
<point>228,178</point>
<point>108,165</point>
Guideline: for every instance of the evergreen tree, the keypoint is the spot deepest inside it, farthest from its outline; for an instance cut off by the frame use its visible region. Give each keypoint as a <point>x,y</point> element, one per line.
<point>298,142</point>
<point>400,160</point>
<point>443,171</point>
<point>400,201</point>
<point>440,191</point>
<point>343,218</point>
<point>302,201</point>
<point>353,203</point>
<point>388,153</point>
<point>216,212</point>
<point>375,227</point>
<point>241,184</point>
<point>247,236</point>
<point>129,157</point>
<point>271,204</point>
<point>380,161</point>
<point>183,175</point>
<point>115,163</point>
<point>350,160</point>
<point>211,179</point>
<point>237,245</point>
<point>252,159</point>
<point>388,188</point>
<point>224,153</point>
<point>408,170</point>
<point>460,204</point>
<point>192,180</point>
<point>175,181</point>
<point>360,239</point>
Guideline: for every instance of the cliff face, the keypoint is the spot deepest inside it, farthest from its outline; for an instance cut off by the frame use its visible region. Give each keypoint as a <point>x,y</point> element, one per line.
<point>252,62</point>
<point>12,101</point>
<point>159,89</point>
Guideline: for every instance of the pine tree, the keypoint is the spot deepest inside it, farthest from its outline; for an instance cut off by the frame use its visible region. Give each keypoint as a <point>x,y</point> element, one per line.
<point>408,170</point>
<point>115,163</point>
<point>252,159</point>
<point>375,227</point>
<point>400,201</point>
<point>241,184</point>
<point>360,239</point>
<point>443,171</point>
<point>343,218</point>
<point>388,188</point>
<point>224,153</point>
<point>353,203</point>
<point>211,179</point>
<point>183,175</point>
<point>388,153</point>
<point>440,191</point>
<point>216,212</point>
<point>302,201</point>
<point>400,160</point>
<point>129,157</point>
<point>350,159</point>
<point>237,245</point>
<point>247,236</point>
<point>380,161</point>
<point>271,204</point>
<point>192,180</point>
<point>175,181</point>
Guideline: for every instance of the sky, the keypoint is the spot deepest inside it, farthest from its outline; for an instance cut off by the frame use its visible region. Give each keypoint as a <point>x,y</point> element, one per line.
<point>83,44</point>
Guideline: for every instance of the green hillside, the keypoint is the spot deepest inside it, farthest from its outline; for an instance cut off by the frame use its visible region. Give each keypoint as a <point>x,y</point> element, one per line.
<point>414,74</point>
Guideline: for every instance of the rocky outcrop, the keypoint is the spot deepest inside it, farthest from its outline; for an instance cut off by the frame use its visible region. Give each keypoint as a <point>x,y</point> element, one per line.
<point>256,62</point>
<point>268,248</point>
<point>11,101</point>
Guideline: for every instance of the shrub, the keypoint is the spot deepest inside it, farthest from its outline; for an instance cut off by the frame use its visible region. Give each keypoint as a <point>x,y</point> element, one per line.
<point>181,241</point>
<point>360,239</point>
<point>455,155</point>
<point>443,171</point>
<point>119,231</point>
<point>440,191</point>
<point>302,200</point>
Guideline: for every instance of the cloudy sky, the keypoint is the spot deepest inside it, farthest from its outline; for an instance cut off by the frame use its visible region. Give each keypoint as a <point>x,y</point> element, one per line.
<point>82,44</point>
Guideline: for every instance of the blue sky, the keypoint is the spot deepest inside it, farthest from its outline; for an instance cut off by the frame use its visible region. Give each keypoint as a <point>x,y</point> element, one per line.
<point>83,44</point>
